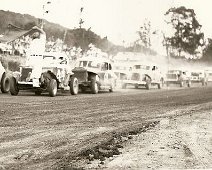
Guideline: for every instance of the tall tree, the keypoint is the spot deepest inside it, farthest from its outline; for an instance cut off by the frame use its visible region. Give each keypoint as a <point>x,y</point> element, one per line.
<point>207,53</point>
<point>144,34</point>
<point>187,30</point>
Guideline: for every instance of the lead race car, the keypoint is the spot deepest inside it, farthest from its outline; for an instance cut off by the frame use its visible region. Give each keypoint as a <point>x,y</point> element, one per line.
<point>95,73</point>
<point>54,74</point>
<point>4,80</point>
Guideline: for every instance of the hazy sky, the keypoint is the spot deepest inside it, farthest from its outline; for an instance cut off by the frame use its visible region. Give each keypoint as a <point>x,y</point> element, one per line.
<point>117,19</point>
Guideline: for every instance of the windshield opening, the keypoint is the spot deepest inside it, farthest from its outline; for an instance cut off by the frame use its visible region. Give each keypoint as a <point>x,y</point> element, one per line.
<point>93,64</point>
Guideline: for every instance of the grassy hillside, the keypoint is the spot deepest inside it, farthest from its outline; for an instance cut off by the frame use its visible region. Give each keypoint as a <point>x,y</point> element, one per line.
<point>74,37</point>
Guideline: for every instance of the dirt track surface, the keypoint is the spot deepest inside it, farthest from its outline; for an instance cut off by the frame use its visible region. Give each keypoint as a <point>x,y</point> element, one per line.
<point>177,142</point>
<point>40,132</point>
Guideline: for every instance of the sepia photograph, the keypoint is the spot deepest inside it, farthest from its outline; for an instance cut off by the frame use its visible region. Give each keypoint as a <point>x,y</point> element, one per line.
<point>105,84</point>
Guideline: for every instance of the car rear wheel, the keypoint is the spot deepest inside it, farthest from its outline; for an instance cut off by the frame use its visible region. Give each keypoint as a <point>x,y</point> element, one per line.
<point>111,89</point>
<point>203,82</point>
<point>181,83</point>
<point>13,87</point>
<point>83,89</point>
<point>159,85</point>
<point>52,88</point>
<point>38,92</point>
<point>5,84</point>
<point>74,86</point>
<point>148,83</point>
<point>94,87</point>
<point>189,84</point>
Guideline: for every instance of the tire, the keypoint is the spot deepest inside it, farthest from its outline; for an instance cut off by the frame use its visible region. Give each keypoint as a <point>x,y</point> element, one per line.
<point>189,84</point>
<point>83,89</point>
<point>38,92</point>
<point>94,87</point>
<point>52,88</point>
<point>13,87</point>
<point>203,83</point>
<point>148,83</point>
<point>74,86</point>
<point>112,87</point>
<point>5,84</point>
<point>136,86</point>
<point>162,82</point>
<point>148,86</point>
<point>159,85</point>
<point>181,83</point>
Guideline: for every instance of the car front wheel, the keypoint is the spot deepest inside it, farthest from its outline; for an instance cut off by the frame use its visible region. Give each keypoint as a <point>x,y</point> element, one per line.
<point>5,84</point>
<point>52,88</point>
<point>13,87</point>
<point>94,87</point>
<point>74,86</point>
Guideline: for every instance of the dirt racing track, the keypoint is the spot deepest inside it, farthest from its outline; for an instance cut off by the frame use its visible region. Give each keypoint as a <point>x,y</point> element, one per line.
<point>65,132</point>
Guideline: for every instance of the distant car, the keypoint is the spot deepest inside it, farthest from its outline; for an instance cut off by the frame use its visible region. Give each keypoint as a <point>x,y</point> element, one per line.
<point>144,75</point>
<point>208,75</point>
<point>199,76</point>
<point>95,73</point>
<point>5,82</point>
<point>122,73</point>
<point>178,77</point>
<point>55,74</point>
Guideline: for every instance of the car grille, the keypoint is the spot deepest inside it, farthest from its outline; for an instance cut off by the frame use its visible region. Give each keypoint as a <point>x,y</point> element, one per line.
<point>171,76</point>
<point>123,76</point>
<point>25,73</point>
<point>81,75</point>
<point>135,76</point>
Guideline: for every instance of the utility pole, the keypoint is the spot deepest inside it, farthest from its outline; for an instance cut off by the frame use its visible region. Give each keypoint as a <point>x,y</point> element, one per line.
<point>44,12</point>
<point>81,22</point>
<point>166,43</point>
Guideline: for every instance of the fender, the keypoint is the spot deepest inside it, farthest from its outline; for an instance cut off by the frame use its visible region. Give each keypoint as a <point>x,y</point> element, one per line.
<point>146,75</point>
<point>47,76</point>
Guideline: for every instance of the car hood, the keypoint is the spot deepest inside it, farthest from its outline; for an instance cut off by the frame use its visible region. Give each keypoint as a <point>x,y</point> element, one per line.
<point>82,69</point>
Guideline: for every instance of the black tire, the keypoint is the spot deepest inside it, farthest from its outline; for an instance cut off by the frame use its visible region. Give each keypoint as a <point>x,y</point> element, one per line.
<point>148,86</point>
<point>38,92</point>
<point>94,87</point>
<point>148,83</point>
<point>74,86</point>
<point>52,88</point>
<point>203,83</point>
<point>162,82</point>
<point>159,85</point>
<point>181,83</point>
<point>5,84</point>
<point>13,87</point>
<point>83,89</point>
<point>136,86</point>
<point>111,89</point>
<point>189,84</point>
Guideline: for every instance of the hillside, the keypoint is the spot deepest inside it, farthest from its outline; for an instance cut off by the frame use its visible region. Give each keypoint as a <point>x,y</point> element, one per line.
<point>74,37</point>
